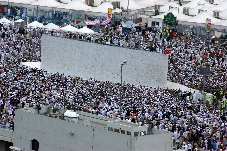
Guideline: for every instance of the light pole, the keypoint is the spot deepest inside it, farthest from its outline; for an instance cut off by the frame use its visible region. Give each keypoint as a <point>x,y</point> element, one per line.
<point>122,64</point>
<point>127,9</point>
<point>8,8</point>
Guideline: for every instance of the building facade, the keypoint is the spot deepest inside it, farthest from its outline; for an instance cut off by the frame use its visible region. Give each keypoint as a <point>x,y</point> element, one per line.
<point>37,132</point>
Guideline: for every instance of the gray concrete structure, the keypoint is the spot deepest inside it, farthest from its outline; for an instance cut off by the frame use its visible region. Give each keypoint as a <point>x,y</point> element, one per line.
<point>54,134</point>
<point>102,62</point>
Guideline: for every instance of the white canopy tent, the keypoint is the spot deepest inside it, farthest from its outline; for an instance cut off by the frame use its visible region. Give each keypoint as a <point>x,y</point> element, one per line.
<point>19,21</point>
<point>148,3</point>
<point>167,6</point>
<point>201,18</point>
<point>69,28</point>
<point>22,1</point>
<point>35,24</point>
<point>5,21</point>
<point>86,30</point>
<point>103,8</point>
<point>192,4</point>
<point>221,23</point>
<point>223,14</point>
<point>178,15</point>
<point>133,5</point>
<point>76,5</point>
<point>117,10</point>
<point>68,1</point>
<point>47,3</point>
<point>51,26</point>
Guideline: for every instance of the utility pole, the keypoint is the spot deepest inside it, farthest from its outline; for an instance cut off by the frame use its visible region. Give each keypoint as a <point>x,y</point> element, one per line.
<point>124,63</point>
<point>127,9</point>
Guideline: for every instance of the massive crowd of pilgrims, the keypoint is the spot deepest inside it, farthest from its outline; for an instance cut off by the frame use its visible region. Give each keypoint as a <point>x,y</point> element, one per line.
<point>195,123</point>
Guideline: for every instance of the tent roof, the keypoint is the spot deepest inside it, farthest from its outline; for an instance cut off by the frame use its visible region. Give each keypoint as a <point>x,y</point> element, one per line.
<point>179,16</point>
<point>103,8</point>
<point>76,5</point>
<point>52,26</point>
<point>86,30</point>
<point>117,10</point>
<point>148,3</point>
<point>19,20</point>
<point>133,5</point>
<point>23,1</point>
<point>223,14</point>
<point>69,28</point>
<point>201,18</point>
<point>35,24</point>
<point>47,3</point>
<point>221,23</point>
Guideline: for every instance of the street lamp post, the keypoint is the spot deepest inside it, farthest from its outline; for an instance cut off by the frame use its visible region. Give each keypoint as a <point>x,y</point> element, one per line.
<point>127,9</point>
<point>8,8</point>
<point>122,64</point>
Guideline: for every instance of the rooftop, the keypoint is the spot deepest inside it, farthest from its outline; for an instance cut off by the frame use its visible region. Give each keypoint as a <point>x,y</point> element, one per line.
<point>96,121</point>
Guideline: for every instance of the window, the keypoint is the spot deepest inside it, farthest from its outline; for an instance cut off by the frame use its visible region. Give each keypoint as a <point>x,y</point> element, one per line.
<point>216,14</point>
<point>116,4</point>
<point>157,7</point>
<point>186,11</point>
<point>122,131</point>
<point>211,1</point>
<point>89,2</point>
<point>116,130</point>
<point>136,134</point>
<point>128,133</point>
<point>110,129</point>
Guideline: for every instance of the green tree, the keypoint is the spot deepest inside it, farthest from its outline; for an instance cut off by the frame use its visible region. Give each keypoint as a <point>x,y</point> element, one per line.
<point>170,19</point>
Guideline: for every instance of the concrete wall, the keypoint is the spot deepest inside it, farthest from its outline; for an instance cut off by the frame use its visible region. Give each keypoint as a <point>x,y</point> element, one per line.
<point>54,135</point>
<point>6,135</point>
<point>158,142</point>
<point>89,60</point>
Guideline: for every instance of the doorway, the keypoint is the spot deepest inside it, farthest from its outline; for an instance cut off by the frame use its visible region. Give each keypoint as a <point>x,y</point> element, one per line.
<point>34,145</point>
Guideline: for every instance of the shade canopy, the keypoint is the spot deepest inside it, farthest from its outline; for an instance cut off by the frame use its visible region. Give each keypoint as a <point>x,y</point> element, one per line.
<point>35,24</point>
<point>22,1</point>
<point>69,28</point>
<point>132,5</point>
<point>47,3</point>
<point>5,21</point>
<point>201,18</point>
<point>179,16</point>
<point>75,5</point>
<point>86,30</point>
<point>103,8</point>
<point>51,26</point>
<point>19,21</point>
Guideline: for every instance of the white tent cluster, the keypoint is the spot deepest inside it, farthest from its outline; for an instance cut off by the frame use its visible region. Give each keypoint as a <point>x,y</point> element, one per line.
<point>197,10</point>
<point>51,26</point>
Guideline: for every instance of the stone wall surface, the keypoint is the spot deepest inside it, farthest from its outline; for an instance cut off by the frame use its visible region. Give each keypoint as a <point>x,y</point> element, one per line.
<point>102,62</point>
